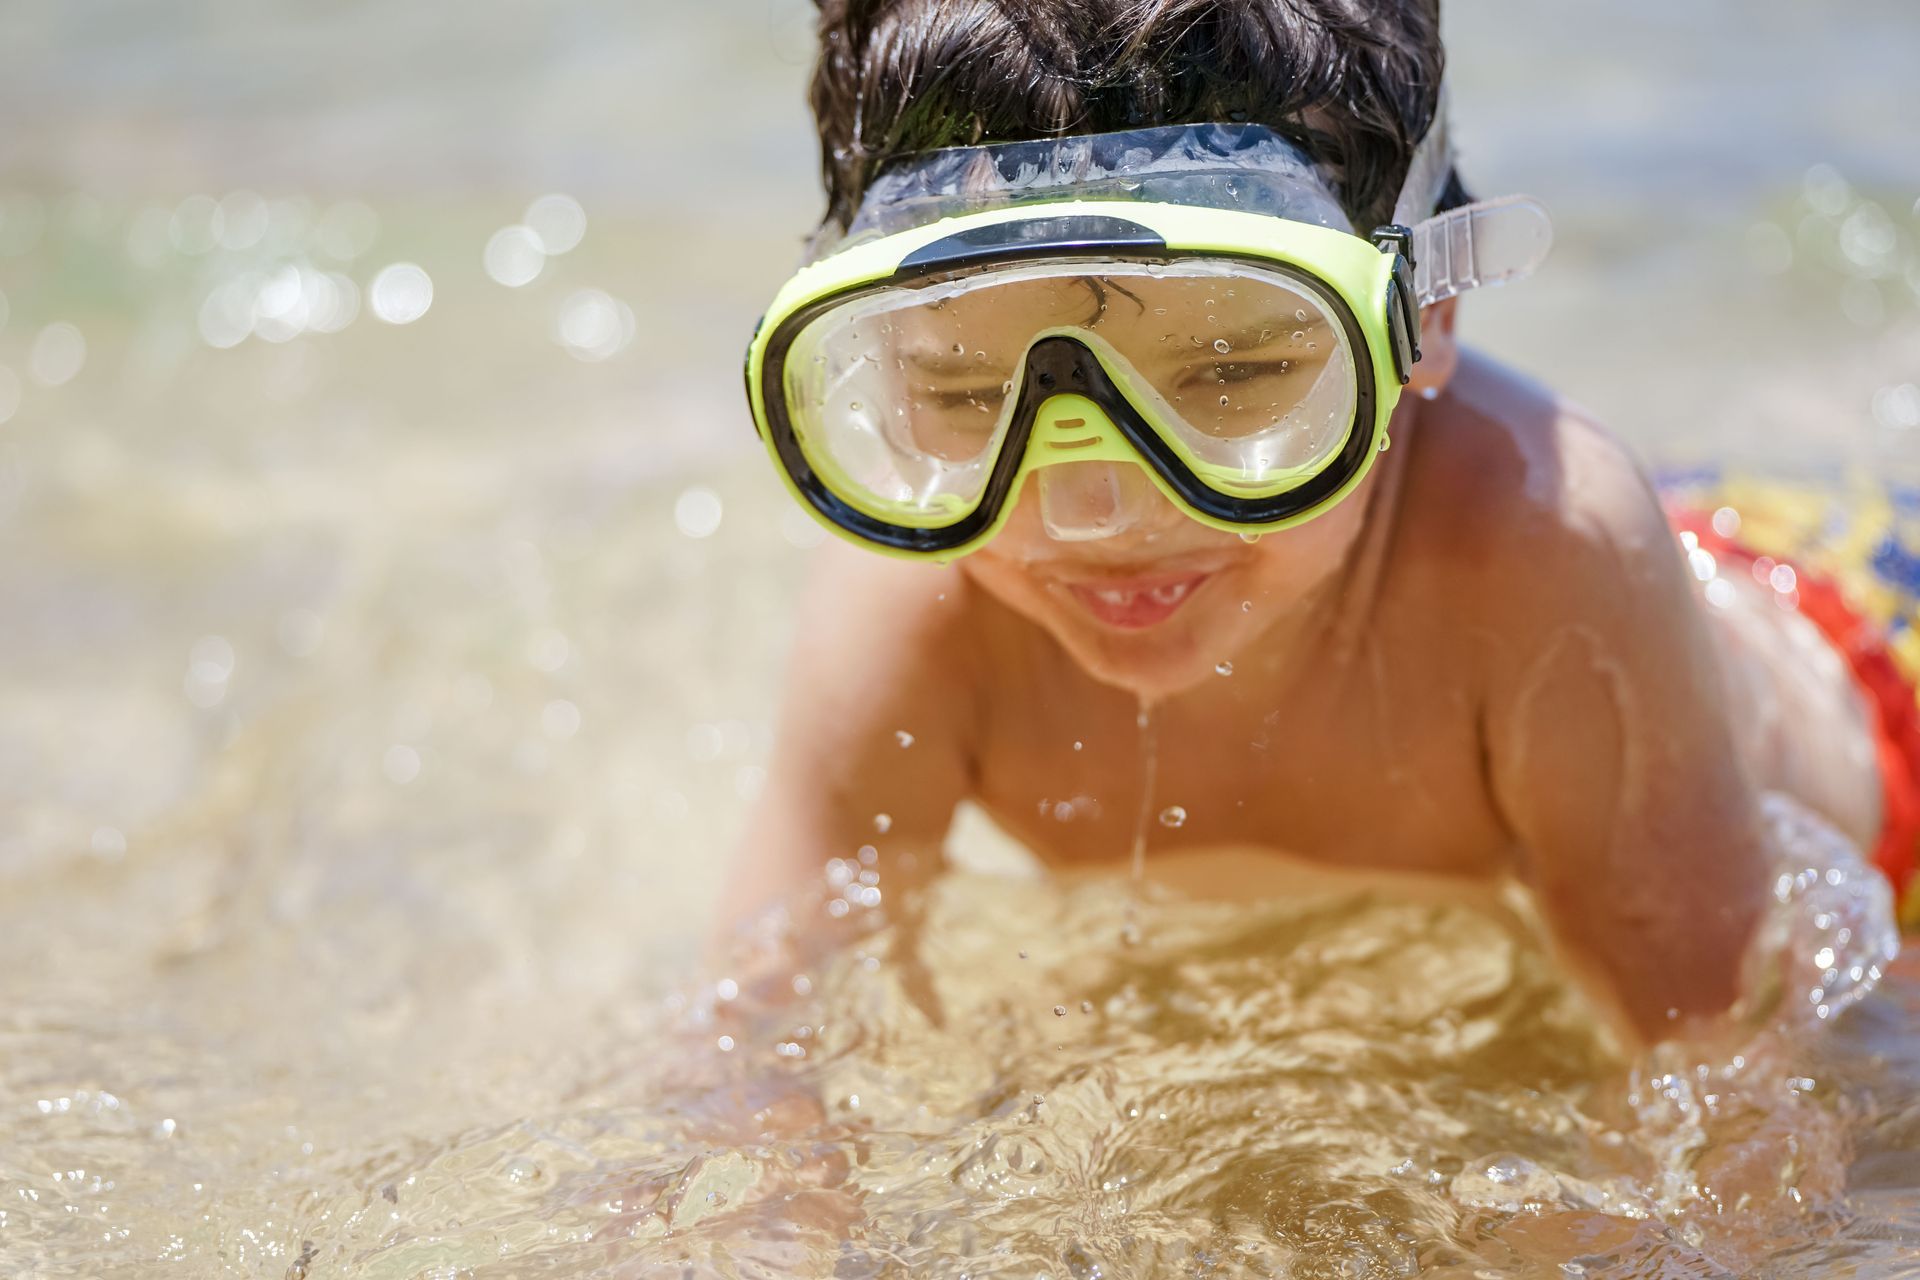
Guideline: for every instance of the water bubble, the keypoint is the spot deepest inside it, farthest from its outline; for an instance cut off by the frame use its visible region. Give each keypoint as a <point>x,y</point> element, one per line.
<point>1223,346</point>
<point>1246,606</point>
<point>1079,746</point>
<point>1223,668</point>
<point>57,355</point>
<point>1225,401</point>
<point>1086,1006</point>
<point>593,325</point>
<point>522,1170</point>
<point>557,223</point>
<point>883,822</point>
<point>1059,1011</point>
<point>1897,407</point>
<point>300,632</point>
<point>697,512</point>
<point>196,225</point>
<point>548,650</point>
<point>401,764</point>
<point>514,256</point>
<point>1299,336</point>
<point>401,293</point>
<point>902,737</point>
<point>1826,190</point>
<point>244,220</point>
<point>1173,817</point>
<point>1300,315</point>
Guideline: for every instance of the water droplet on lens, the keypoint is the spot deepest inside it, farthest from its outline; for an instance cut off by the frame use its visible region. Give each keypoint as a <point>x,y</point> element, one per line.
<point>1173,816</point>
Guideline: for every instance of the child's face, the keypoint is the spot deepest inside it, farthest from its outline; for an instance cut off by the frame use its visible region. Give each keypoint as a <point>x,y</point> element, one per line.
<point>1159,608</point>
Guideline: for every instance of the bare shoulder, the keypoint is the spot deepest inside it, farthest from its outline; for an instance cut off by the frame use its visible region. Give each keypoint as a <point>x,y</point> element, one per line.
<point>1522,502</point>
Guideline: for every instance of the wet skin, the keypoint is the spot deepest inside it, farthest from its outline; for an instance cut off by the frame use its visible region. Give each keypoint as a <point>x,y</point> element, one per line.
<point>1490,662</point>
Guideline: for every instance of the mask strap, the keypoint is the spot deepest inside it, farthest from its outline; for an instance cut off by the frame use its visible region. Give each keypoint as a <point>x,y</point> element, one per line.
<point>1485,243</point>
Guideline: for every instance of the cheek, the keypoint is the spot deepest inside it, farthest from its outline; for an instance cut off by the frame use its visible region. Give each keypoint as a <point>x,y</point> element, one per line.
<point>1287,566</point>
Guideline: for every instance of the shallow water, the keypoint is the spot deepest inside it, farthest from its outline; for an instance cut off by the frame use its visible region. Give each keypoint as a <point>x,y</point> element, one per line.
<point>375,705</point>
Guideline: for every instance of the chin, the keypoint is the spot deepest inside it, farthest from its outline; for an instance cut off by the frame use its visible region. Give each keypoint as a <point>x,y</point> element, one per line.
<point>1155,630</point>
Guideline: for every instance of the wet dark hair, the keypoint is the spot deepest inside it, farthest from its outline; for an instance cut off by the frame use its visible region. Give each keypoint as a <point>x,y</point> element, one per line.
<point>1356,82</point>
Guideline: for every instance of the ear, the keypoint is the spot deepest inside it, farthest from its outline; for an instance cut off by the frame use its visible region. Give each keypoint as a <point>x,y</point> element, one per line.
<point>1439,353</point>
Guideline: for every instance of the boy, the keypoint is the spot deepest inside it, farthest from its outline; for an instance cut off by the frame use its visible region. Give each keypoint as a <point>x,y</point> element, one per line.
<point>1476,655</point>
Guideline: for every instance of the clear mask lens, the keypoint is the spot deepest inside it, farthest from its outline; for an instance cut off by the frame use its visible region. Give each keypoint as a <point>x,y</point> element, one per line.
<point>905,395</point>
<point>1087,501</point>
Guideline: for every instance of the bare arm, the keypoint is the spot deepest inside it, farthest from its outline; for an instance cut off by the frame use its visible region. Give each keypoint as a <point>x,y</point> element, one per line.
<point>874,742</point>
<point>1612,755</point>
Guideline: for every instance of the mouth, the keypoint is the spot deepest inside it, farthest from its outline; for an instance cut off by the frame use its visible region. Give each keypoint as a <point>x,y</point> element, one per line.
<point>1134,604</point>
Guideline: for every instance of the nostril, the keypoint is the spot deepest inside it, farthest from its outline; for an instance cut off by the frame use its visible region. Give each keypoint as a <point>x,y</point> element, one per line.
<point>1048,380</point>
<point>1079,374</point>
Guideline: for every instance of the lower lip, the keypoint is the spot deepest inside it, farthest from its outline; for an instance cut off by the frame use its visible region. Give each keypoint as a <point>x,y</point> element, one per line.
<point>1135,606</point>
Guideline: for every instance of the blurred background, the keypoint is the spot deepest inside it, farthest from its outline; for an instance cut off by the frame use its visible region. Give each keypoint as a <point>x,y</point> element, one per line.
<point>393,599</point>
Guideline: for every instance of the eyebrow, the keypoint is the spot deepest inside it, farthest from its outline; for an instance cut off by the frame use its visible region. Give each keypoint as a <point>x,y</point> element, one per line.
<point>943,363</point>
<point>1251,335</point>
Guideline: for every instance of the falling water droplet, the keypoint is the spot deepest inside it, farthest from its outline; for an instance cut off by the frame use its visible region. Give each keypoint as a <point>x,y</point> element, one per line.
<point>1173,817</point>
<point>1386,443</point>
<point>883,822</point>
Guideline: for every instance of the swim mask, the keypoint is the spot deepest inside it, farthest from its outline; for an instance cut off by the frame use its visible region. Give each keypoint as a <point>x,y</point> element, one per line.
<point>1184,309</point>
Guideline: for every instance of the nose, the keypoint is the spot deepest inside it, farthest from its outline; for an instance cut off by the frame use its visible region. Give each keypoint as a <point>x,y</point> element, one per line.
<point>1086,501</point>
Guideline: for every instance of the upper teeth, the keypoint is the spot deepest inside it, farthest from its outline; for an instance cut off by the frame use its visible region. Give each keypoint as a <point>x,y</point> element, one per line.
<point>1167,595</point>
<point>1171,595</point>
